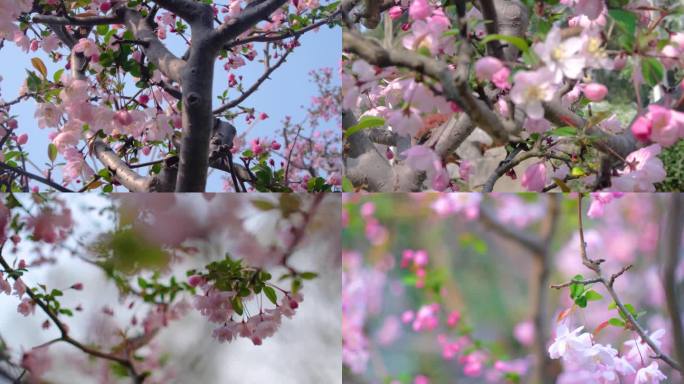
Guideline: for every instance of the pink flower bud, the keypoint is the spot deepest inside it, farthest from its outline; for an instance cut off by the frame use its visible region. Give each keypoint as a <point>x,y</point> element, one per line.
<point>22,139</point>
<point>275,145</point>
<point>641,129</point>
<point>77,286</point>
<point>395,12</point>
<point>12,124</point>
<point>106,6</point>
<point>143,99</point>
<point>294,304</point>
<point>619,62</point>
<point>534,178</point>
<point>263,116</point>
<point>195,280</point>
<point>389,154</point>
<point>123,117</point>
<point>595,91</point>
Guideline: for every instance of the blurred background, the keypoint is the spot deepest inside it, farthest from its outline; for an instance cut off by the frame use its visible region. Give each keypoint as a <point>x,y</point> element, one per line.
<point>489,280</point>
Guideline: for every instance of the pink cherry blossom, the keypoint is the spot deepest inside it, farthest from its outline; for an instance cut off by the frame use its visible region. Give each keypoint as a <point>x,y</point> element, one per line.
<point>37,361</point>
<point>49,115</point>
<point>530,89</point>
<point>500,78</point>
<point>569,344</point>
<point>642,127</point>
<point>667,126</point>
<point>405,122</point>
<point>486,67</point>
<point>26,307</point>
<point>427,318</point>
<point>649,375</point>
<point>454,203</point>
<point>598,202</point>
<point>419,9</point>
<point>88,47</point>
<point>562,57</point>
<point>534,178</point>
<point>646,170</point>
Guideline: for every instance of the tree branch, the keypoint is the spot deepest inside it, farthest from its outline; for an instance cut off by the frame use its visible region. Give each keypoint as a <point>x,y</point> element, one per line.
<point>123,173</point>
<point>265,76</point>
<point>126,362</point>
<point>41,179</point>
<point>188,10</point>
<point>168,63</point>
<point>671,248</point>
<point>79,21</point>
<point>532,243</point>
<point>455,86</point>
<point>491,25</point>
<point>247,19</point>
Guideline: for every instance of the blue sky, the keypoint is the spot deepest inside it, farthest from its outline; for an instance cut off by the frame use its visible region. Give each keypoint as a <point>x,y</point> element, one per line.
<point>284,94</point>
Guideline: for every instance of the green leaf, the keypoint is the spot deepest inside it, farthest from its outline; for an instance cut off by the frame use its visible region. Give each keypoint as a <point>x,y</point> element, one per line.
<point>577,171</point>
<point>347,185</point>
<point>581,301</point>
<point>57,75</point>
<point>236,303</point>
<point>652,71</point>
<point>625,20</point>
<point>264,205</point>
<point>271,294</point>
<point>576,289</point>
<point>364,123</point>
<point>592,295</point>
<point>40,66</point>
<point>616,322</point>
<point>52,152</point>
<point>563,131</point>
<point>308,275</point>
<point>518,42</point>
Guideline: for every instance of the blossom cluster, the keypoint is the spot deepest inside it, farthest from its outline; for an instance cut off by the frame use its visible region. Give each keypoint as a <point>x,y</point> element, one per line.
<point>586,360</point>
<point>565,61</point>
<point>219,307</point>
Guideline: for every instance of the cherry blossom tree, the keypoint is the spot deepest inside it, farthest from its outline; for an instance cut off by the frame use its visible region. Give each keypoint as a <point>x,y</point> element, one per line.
<point>145,116</point>
<point>236,266</point>
<point>512,288</point>
<point>514,94</point>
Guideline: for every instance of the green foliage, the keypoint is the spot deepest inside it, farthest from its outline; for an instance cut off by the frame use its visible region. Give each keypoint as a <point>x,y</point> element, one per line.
<point>364,123</point>
<point>673,159</point>
<point>580,294</point>
<point>129,252</point>
<point>652,71</point>
<point>626,23</point>
<point>153,291</point>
